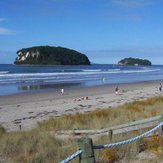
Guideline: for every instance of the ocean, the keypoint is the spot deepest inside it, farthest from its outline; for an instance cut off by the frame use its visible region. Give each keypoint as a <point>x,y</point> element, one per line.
<point>23,79</point>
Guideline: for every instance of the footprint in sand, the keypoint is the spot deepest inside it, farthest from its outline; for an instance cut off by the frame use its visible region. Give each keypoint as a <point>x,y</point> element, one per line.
<point>89,106</point>
<point>102,102</point>
<point>99,97</point>
<point>75,108</point>
<point>81,105</point>
<point>30,112</point>
<point>17,122</point>
<point>57,116</point>
<point>69,110</point>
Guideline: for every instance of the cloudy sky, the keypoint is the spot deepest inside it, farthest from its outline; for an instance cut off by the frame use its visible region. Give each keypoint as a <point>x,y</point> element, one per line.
<point>105,30</point>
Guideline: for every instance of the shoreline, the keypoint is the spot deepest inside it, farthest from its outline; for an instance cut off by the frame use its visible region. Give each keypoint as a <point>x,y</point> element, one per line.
<point>26,109</point>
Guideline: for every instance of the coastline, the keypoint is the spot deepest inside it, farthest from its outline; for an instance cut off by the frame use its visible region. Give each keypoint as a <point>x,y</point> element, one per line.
<point>26,109</point>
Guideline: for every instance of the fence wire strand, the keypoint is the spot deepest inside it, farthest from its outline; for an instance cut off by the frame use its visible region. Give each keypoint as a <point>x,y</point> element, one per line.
<point>73,156</point>
<point>113,145</point>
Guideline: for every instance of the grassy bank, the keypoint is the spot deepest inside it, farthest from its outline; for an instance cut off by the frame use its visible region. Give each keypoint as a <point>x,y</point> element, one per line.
<point>40,146</point>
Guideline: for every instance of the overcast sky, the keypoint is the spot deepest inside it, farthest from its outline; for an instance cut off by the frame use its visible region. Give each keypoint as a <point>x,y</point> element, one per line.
<point>105,30</point>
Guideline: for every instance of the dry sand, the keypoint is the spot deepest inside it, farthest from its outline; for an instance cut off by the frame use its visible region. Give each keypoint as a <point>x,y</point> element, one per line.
<point>27,109</point>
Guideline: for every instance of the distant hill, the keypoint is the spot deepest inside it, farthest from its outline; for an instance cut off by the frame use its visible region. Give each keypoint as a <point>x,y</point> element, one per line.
<point>48,55</point>
<point>134,62</point>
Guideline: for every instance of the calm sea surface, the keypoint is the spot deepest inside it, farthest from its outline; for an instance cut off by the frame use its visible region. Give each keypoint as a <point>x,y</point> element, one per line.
<point>18,79</point>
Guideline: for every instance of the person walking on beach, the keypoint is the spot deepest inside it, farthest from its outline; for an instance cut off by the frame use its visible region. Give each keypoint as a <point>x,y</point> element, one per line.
<point>160,87</point>
<point>116,90</point>
<point>62,91</point>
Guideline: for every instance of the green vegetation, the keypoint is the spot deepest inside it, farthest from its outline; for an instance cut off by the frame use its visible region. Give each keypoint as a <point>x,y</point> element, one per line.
<point>41,145</point>
<point>47,55</point>
<point>134,61</point>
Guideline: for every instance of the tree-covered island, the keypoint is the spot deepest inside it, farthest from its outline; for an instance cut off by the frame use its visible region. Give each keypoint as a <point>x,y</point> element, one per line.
<point>48,55</point>
<point>134,62</point>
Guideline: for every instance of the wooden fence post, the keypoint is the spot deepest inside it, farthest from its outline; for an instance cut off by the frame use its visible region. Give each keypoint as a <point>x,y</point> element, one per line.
<point>86,145</point>
<point>110,133</point>
<point>20,127</point>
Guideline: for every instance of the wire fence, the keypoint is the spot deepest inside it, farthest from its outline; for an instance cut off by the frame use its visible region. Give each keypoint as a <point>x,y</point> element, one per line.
<point>125,142</point>
<point>113,145</point>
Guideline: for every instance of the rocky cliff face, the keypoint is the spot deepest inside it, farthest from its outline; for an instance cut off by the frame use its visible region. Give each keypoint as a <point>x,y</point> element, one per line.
<point>22,56</point>
<point>46,55</point>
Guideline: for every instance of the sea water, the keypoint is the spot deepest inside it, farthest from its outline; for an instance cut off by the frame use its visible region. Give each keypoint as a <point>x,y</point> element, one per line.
<point>18,79</point>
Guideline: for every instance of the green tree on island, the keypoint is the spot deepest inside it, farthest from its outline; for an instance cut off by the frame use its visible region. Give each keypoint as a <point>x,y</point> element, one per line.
<point>134,61</point>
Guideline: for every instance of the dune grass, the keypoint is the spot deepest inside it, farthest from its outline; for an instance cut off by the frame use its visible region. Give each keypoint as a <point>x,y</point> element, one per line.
<point>130,151</point>
<point>40,146</point>
<point>102,118</point>
<point>34,147</point>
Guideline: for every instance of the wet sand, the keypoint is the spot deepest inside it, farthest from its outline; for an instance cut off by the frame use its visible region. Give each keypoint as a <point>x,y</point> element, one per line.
<point>28,109</point>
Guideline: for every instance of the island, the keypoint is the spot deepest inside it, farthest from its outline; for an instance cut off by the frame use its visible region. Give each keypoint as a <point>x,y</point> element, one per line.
<point>134,62</point>
<point>50,55</point>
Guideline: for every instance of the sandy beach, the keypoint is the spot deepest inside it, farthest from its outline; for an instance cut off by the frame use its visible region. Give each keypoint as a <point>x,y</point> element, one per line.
<point>28,109</point>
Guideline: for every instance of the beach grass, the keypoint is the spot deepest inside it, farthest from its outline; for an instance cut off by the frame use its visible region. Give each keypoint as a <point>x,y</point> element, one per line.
<point>102,118</point>
<point>35,146</point>
<point>40,145</point>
